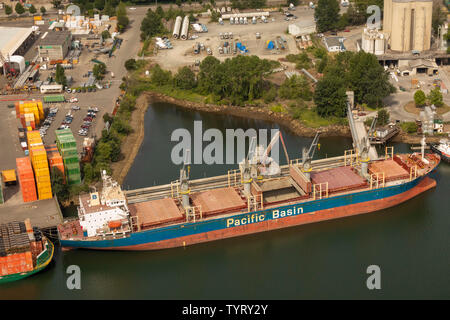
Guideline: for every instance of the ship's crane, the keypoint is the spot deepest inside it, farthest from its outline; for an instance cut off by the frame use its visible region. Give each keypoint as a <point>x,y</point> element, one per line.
<point>184,180</point>
<point>307,155</point>
<point>360,138</point>
<point>372,127</point>
<point>247,167</point>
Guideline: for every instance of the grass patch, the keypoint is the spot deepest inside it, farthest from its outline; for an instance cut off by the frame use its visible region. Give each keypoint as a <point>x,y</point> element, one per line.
<point>311,119</point>
<point>278,108</point>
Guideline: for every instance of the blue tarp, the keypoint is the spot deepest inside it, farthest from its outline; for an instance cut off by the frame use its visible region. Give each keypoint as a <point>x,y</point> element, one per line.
<point>271,45</point>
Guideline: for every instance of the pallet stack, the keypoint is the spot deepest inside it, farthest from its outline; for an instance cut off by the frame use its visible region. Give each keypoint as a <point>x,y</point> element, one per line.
<point>38,157</point>
<point>67,147</point>
<point>15,249</point>
<point>26,179</point>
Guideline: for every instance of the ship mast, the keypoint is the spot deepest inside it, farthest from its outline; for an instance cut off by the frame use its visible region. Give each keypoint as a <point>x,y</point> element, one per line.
<point>307,155</point>
<point>184,180</point>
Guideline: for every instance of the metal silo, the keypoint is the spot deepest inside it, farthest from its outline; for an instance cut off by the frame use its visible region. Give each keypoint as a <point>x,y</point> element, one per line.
<point>177,27</point>
<point>185,28</point>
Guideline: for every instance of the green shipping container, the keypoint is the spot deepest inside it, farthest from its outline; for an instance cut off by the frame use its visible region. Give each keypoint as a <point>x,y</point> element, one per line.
<point>54,98</point>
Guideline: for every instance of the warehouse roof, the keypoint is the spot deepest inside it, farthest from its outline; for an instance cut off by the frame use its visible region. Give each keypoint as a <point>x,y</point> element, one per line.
<point>12,38</point>
<point>54,38</point>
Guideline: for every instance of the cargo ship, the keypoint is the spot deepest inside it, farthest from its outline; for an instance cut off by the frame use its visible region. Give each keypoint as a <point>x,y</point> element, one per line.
<point>24,251</point>
<point>259,196</point>
<point>443,149</point>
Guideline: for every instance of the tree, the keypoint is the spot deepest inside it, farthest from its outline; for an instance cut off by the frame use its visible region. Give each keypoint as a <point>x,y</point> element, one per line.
<point>419,98</point>
<point>60,77</point>
<point>99,70</point>
<point>99,4</point>
<point>435,97</point>
<point>130,64</point>
<point>185,79</point>
<point>438,17</point>
<point>106,34</point>
<point>19,8</point>
<point>58,186</point>
<point>383,117</point>
<point>8,10</point>
<point>330,97</point>
<point>178,3</point>
<point>107,118</point>
<point>295,87</point>
<point>368,79</point>
<point>151,25</point>
<point>43,10</point>
<point>159,76</point>
<point>56,3</point>
<point>327,15</point>
<point>32,10</point>
<point>122,18</point>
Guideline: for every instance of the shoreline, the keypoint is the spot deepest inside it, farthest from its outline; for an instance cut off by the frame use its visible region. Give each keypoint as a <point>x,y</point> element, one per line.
<point>132,143</point>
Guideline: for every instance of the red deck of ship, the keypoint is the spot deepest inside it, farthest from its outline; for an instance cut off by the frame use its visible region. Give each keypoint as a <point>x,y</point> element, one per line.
<point>392,170</point>
<point>218,201</point>
<point>71,229</point>
<point>154,212</point>
<point>339,179</point>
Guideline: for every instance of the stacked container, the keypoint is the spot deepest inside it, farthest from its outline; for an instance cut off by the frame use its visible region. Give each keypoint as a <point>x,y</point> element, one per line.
<point>26,179</point>
<point>67,147</point>
<point>30,113</point>
<point>38,157</point>
<point>54,159</point>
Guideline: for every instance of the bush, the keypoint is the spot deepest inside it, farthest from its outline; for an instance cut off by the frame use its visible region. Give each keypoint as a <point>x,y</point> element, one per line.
<point>159,76</point>
<point>295,87</point>
<point>270,95</point>
<point>185,79</point>
<point>409,127</point>
<point>419,98</point>
<point>130,64</point>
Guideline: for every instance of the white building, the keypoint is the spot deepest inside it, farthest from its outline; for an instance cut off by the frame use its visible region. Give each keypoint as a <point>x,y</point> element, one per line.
<point>334,44</point>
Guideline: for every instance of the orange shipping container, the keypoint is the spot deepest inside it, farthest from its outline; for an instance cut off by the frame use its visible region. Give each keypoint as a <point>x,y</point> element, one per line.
<point>26,179</point>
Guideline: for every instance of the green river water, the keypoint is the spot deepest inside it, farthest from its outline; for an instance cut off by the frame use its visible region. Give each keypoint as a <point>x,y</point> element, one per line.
<point>327,260</point>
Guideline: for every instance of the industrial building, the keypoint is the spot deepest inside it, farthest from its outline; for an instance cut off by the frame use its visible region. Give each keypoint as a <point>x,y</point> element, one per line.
<point>302,28</point>
<point>14,42</point>
<point>373,41</point>
<point>407,24</point>
<point>54,45</point>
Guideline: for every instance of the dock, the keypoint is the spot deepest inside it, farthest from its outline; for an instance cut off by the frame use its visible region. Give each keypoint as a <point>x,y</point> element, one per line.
<point>44,214</point>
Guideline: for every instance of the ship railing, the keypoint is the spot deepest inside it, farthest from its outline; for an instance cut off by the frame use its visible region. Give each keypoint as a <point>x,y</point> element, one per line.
<point>193,213</point>
<point>175,189</point>
<point>377,180</point>
<point>255,202</point>
<point>389,153</point>
<point>412,172</point>
<point>320,190</point>
<point>234,177</point>
<point>351,157</point>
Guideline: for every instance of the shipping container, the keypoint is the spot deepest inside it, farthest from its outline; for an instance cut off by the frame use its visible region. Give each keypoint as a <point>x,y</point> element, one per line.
<point>26,179</point>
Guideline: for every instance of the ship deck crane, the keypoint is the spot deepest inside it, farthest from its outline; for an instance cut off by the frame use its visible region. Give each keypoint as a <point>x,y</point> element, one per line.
<point>307,155</point>
<point>361,143</point>
<point>184,180</point>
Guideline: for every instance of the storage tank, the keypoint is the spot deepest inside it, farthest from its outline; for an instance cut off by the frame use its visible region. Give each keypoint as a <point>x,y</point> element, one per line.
<point>254,20</point>
<point>379,45</point>
<point>231,20</point>
<point>409,25</point>
<point>185,28</point>
<point>177,27</point>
